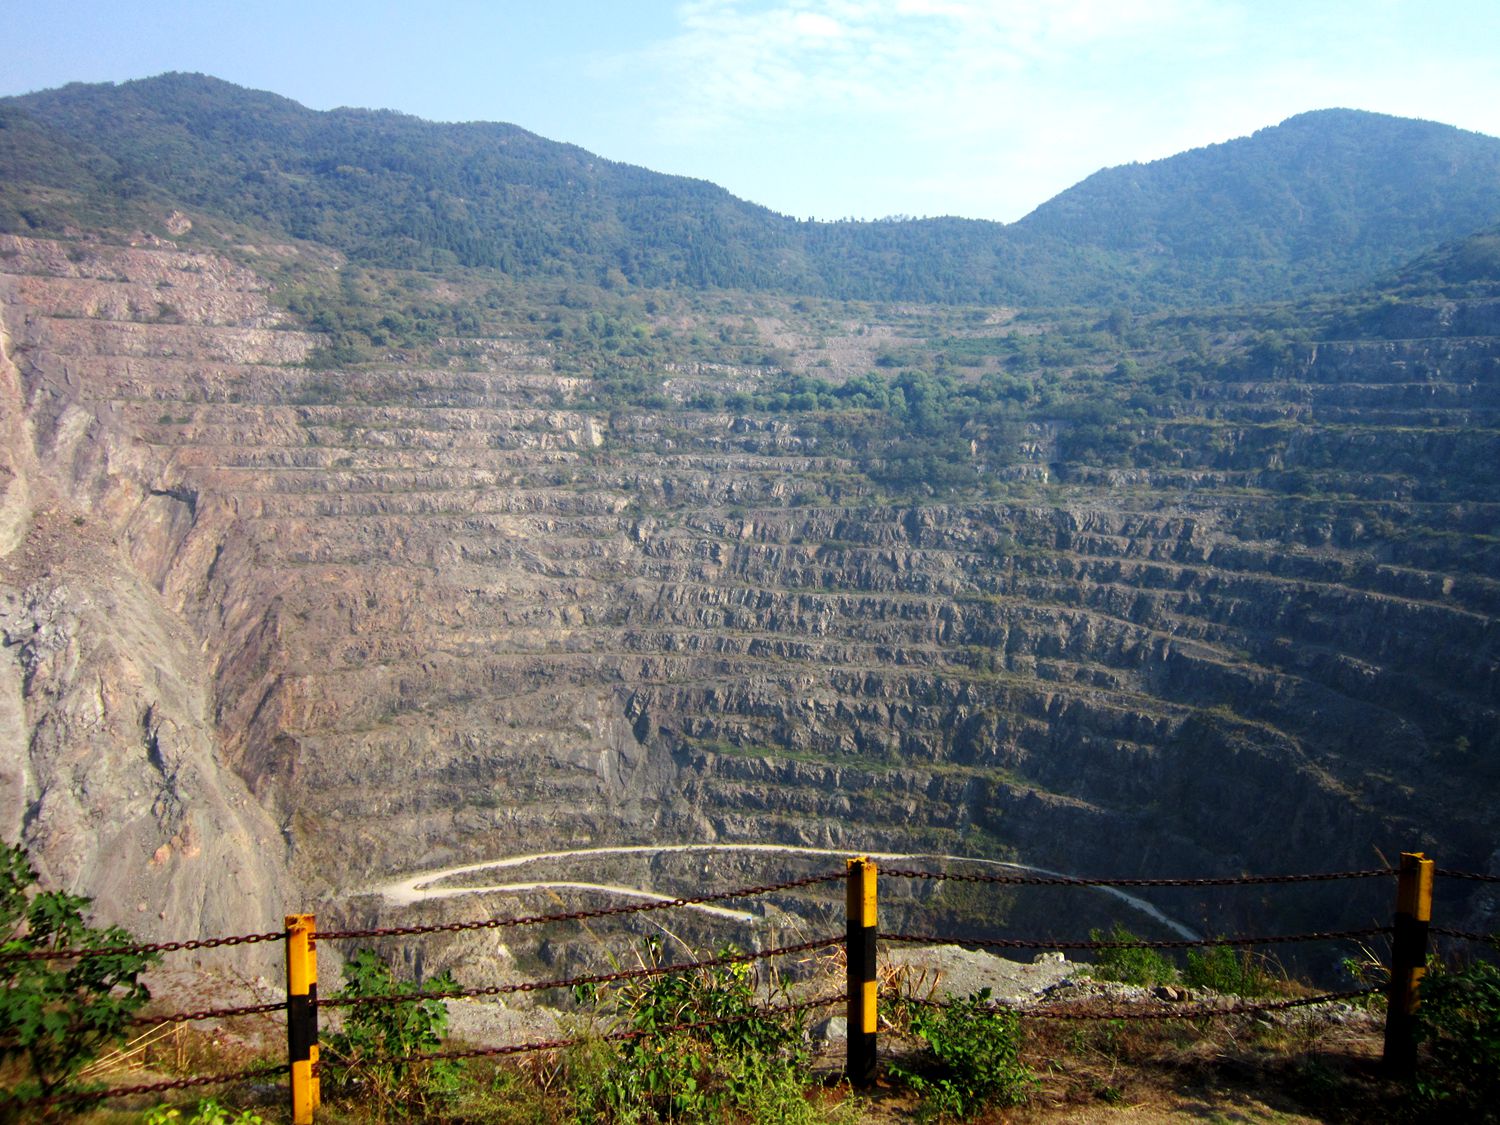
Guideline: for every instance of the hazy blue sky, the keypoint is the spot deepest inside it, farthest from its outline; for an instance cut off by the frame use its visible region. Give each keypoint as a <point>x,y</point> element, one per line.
<point>824,108</point>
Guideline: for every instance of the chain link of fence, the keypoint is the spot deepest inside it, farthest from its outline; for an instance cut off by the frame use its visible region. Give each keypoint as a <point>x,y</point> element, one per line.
<point>643,973</point>
<point>133,950</point>
<point>1115,943</point>
<point>208,1014</point>
<point>609,1037</point>
<point>722,896</point>
<point>1070,881</point>
<point>1081,1011</point>
<point>578,915</point>
<point>81,1096</point>
<point>1465,935</point>
<point>1069,1012</point>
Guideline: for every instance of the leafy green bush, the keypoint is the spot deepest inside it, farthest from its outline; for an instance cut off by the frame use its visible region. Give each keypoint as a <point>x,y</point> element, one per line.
<point>974,1059</point>
<point>1459,1021</point>
<point>746,1060</point>
<point>1235,973</point>
<point>57,1013</point>
<point>209,1112</point>
<point>369,1055</point>
<point>1132,963</point>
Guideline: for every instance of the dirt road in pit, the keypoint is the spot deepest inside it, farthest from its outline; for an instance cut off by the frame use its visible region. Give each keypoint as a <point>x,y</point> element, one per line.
<point>425,885</point>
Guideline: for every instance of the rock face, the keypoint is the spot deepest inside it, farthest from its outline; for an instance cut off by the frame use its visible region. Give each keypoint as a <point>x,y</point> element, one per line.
<point>111,772</point>
<point>118,789</point>
<point>366,622</point>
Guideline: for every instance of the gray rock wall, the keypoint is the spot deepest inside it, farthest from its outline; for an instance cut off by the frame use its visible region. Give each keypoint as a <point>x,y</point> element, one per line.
<point>364,623</point>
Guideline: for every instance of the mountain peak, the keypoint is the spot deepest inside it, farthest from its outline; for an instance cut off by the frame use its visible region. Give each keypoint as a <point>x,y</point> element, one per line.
<point>1326,199</point>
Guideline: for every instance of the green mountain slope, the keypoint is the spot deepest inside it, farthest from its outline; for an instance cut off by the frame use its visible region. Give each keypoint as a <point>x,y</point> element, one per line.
<point>1325,200</point>
<point>1466,267</point>
<point>399,191</point>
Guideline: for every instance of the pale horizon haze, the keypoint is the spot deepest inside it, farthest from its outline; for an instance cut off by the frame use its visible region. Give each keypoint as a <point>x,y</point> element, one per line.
<point>815,108</point>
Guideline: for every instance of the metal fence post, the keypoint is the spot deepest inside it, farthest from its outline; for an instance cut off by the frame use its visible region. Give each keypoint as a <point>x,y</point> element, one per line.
<point>302,1016</point>
<point>860,954</point>
<point>1408,961</point>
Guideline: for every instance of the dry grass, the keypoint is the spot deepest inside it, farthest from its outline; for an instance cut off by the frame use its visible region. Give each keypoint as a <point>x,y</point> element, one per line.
<point>1299,1069</point>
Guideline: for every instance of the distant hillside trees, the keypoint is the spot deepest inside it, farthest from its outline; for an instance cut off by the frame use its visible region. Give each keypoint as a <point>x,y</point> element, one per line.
<point>1323,200</point>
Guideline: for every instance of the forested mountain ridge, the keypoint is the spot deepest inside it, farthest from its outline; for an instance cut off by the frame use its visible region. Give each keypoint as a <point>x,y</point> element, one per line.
<point>1320,201</point>
<point>1323,201</point>
<point>387,188</point>
<point>1467,267</point>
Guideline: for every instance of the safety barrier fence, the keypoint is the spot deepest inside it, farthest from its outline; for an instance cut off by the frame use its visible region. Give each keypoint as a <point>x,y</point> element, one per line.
<point>1409,934</point>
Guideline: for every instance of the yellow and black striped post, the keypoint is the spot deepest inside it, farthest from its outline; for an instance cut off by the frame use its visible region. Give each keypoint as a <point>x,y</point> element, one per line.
<point>1408,960</point>
<point>302,1015</point>
<point>860,949</point>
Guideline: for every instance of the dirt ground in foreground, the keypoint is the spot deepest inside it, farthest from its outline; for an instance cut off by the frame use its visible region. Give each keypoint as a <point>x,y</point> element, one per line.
<point>1244,1076</point>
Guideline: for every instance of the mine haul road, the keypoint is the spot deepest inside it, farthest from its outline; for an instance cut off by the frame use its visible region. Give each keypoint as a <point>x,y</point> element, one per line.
<point>427,885</point>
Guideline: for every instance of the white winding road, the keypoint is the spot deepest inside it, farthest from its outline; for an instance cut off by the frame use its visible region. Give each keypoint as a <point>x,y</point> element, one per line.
<point>422,886</point>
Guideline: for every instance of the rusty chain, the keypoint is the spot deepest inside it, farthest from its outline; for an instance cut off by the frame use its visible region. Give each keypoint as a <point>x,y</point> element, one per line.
<point>157,947</point>
<point>730,959</point>
<point>668,904</point>
<point>781,951</point>
<point>400,931</point>
<point>159,1087</point>
<point>598,978</point>
<point>612,1036</point>
<point>578,915</point>
<point>1070,881</point>
<point>1176,943</point>
<point>1200,1011</point>
<point>208,1014</point>
<point>1467,935</point>
<point>1197,1012</point>
<point>1449,873</point>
